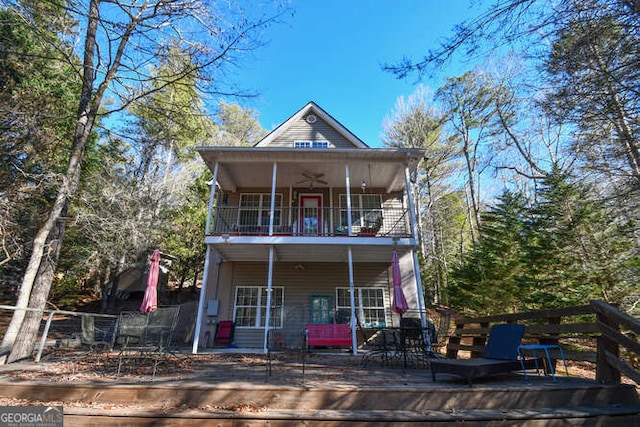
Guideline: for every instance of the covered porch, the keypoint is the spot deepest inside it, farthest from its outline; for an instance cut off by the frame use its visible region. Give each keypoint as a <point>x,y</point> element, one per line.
<point>333,284</point>
<point>330,211</point>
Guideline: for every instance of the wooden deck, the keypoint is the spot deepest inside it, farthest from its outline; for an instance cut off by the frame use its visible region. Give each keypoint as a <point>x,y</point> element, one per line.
<point>228,389</point>
<point>234,389</point>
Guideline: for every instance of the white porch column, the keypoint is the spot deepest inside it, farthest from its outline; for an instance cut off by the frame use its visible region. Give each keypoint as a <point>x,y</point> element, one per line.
<point>290,208</point>
<point>267,318</point>
<point>352,296</point>
<point>205,274</point>
<point>273,197</point>
<point>421,306</point>
<point>416,237</point>
<point>352,290</point>
<point>212,192</point>
<point>348,185</point>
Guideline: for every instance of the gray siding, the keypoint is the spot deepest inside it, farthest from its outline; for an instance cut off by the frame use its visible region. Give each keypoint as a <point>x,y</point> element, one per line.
<point>318,131</point>
<point>315,279</point>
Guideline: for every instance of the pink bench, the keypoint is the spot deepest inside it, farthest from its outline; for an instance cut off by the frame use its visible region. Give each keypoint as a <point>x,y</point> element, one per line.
<point>329,335</point>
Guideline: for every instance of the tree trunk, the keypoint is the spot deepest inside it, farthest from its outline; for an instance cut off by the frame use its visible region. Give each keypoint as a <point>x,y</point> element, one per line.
<point>87,111</point>
<point>474,211</point>
<point>33,267</point>
<point>104,283</point>
<point>28,333</point>
<point>25,292</point>
<point>196,271</point>
<point>115,283</point>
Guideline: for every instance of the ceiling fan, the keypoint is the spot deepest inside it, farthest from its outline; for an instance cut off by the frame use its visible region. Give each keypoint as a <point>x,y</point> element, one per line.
<point>312,178</point>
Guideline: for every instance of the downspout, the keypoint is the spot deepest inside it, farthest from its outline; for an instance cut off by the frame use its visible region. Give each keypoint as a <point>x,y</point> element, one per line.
<point>267,318</point>
<point>415,231</point>
<point>205,274</point>
<point>352,290</point>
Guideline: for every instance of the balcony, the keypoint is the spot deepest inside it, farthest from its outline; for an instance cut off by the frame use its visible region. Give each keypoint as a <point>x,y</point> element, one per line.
<point>242,234</point>
<point>310,222</point>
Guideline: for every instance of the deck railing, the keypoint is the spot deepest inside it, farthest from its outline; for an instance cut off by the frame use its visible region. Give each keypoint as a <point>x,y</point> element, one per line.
<point>618,344</point>
<point>597,333</point>
<point>306,222</point>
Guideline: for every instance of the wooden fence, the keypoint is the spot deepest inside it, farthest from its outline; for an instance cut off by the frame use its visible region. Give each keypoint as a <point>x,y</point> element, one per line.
<point>597,333</point>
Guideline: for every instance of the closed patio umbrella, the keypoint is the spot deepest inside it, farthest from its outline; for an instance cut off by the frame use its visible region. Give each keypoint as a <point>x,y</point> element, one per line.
<point>399,305</point>
<point>150,300</point>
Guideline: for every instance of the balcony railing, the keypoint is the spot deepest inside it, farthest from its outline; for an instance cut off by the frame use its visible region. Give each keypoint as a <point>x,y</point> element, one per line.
<point>310,222</point>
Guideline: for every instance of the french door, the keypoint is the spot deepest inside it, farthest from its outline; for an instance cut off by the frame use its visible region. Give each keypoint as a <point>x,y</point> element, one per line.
<point>310,214</point>
<point>321,309</point>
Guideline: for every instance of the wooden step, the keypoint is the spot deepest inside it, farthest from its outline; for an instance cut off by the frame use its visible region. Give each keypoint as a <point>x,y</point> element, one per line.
<point>437,397</point>
<point>547,417</point>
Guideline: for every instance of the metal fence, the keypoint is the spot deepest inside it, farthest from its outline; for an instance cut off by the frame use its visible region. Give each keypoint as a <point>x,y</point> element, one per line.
<point>61,329</point>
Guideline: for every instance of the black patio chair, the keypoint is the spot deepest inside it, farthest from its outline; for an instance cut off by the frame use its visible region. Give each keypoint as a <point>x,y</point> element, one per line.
<point>161,326</point>
<point>146,337</point>
<point>279,351</point>
<point>440,336</point>
<point>372,222</point>
<point>98,334</point>
<point>287,344</point>
<point>384,345</point>
<point>416,340</point>
<point>132,326</point>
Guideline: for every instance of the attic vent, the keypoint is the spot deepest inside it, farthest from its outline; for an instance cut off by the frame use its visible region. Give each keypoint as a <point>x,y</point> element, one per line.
<point>311,118</point>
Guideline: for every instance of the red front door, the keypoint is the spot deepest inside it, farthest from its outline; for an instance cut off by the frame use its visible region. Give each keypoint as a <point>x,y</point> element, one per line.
<point>311,214</point>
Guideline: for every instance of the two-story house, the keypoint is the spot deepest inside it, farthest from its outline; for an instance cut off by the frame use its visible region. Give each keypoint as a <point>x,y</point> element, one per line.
<point>301,229</point>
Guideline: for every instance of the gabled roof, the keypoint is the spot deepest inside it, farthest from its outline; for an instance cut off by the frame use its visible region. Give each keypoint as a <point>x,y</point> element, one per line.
<point>310,108</point>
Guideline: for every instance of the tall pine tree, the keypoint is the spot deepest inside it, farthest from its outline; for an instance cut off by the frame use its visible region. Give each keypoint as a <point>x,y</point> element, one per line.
<point>489,279</point>
<point>576,250</point>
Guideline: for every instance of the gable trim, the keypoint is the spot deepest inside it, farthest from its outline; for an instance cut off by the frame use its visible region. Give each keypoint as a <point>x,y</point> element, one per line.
<point>312,107</point>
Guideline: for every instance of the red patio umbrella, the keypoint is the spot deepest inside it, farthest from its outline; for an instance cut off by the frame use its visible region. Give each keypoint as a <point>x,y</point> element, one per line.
<point>399,305</point>
<point>150,300</point>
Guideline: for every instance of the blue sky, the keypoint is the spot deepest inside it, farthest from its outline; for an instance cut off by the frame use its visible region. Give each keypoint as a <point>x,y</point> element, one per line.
<point>331,51</point>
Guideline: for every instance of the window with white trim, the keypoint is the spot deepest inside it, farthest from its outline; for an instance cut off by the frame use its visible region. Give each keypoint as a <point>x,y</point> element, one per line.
<point>310,144</point>
<point>255,209</point>
<point>363,207</point>
<point>250,307</point>
<point>369,303</point>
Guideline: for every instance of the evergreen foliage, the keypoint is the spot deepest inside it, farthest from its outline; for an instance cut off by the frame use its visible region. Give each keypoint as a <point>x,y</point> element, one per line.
<point>38,95</point>
<point>563,248</point>
<point>489,279</point>
<point>576,249</point>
